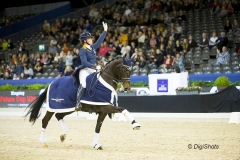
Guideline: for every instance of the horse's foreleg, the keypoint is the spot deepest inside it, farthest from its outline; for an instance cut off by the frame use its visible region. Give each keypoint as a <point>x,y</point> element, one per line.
<point>60,117</point>
<point>135,125</point>
<point>101,117</point>
<point>45,121</point>
<point>125,112</point>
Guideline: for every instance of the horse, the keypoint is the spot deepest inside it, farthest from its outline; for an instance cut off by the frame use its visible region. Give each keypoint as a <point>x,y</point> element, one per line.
<point>60,97</point>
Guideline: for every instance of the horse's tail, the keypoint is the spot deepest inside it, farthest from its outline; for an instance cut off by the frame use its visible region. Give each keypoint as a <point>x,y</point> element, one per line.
<point>34,106</point>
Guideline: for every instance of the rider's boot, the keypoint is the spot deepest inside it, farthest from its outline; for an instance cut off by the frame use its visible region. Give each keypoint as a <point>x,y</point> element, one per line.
<point>80,93</point>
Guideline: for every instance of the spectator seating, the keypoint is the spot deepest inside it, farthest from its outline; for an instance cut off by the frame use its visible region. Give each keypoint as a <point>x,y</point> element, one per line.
<point>196,61</point>
<point>14,18</point>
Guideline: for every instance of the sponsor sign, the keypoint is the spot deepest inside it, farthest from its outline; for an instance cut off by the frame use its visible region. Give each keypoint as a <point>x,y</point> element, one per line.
<point>18,98</point>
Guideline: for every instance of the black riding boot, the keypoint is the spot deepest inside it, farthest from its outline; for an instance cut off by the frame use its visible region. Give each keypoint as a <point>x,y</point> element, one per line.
<point>80,93</point>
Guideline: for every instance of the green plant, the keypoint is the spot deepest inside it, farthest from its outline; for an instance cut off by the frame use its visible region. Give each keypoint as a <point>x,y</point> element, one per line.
<point>222,81</point>
<point>235,83</point>
<point>196,83</point>
<point>17,87</point>
<point>193,88</point>
<point>139,84</point>
<point>208,84</point>
<point>35,86</point>
<point>6,87</point>
<point>201,83</point>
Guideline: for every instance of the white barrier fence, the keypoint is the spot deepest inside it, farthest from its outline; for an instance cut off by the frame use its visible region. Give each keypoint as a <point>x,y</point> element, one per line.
<point>233,117</point>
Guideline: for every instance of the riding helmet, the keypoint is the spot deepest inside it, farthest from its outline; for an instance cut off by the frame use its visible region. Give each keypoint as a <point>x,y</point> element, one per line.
<point>85,35</point>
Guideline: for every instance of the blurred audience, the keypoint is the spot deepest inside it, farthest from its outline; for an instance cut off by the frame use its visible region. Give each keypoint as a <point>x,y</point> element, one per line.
<point>135,28</point>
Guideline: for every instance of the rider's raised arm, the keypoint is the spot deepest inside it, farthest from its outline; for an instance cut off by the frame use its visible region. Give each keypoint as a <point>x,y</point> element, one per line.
<point>101,37</point>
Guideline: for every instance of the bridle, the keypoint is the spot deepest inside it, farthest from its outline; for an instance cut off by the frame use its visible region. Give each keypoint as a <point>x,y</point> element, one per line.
<point>115,80</point>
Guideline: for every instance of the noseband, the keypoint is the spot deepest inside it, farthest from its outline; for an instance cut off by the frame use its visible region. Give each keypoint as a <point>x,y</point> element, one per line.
<point>121,72</point>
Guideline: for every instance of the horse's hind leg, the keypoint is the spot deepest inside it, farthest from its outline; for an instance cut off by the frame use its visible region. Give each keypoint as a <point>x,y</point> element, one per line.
<point>60,117</point>
<point>101,117</point>
<point>45,121</point>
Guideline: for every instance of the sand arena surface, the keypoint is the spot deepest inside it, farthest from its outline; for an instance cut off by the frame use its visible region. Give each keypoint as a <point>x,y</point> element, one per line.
<point>158,139</point>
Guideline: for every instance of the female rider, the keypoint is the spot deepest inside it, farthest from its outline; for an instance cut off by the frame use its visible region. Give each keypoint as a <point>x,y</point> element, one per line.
<point>87,57</point>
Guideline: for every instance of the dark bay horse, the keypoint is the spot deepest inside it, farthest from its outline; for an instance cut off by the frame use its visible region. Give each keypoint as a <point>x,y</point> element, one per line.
<point>60,97</point>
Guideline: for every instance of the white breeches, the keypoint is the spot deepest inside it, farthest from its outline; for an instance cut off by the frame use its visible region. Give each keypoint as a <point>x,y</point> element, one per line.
<point>83,75</point>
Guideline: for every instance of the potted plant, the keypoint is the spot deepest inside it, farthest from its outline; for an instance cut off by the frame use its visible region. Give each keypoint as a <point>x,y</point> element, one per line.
<point>222,82</point>
<point>188,90</point>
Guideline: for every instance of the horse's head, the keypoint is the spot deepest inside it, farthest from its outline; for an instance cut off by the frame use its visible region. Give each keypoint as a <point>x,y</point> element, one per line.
<point>124,77</point>
<point>117,71</point>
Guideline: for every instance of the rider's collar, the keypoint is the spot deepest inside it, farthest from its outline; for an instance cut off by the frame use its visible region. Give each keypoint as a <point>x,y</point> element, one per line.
<point>88,46</point>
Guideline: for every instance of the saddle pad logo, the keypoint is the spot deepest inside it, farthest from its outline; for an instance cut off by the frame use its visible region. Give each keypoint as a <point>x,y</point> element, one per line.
<point>57,100</point>
<point>162,85</point>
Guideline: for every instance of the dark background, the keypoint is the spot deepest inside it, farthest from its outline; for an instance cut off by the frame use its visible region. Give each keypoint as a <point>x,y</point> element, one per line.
<point>17,3</point>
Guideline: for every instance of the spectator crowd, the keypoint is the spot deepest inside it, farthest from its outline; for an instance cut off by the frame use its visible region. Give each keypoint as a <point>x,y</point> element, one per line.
<point>142,32</point>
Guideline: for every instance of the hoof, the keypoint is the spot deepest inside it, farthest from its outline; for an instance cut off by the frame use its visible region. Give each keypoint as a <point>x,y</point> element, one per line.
<point>45,145</point>
<point>63,137</point>
<point>136,126</point>
<point>98,147</point>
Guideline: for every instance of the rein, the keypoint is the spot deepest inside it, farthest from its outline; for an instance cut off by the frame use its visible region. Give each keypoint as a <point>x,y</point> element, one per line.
<point>92,86</point>
<point>114,79</point>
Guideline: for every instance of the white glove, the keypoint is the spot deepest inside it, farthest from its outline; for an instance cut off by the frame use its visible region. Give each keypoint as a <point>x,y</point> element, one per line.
<point>98,67</point>
<point>105,26</point>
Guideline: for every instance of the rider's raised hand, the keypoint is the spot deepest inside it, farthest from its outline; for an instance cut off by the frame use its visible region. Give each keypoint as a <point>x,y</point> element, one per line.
<point>105,26</point>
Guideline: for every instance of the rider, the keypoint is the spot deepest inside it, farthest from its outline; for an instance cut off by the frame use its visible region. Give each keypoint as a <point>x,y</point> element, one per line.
<point>87,57</point>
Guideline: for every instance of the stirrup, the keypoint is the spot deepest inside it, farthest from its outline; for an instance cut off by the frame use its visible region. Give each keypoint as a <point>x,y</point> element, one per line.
<point>78,107</point>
